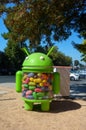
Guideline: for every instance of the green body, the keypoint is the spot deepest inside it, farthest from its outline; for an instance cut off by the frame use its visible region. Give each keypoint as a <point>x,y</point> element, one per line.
<point>38,63</point>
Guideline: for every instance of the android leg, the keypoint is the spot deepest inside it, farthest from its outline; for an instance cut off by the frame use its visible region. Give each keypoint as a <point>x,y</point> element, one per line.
<point>45,106</point>
<point>28,106</point>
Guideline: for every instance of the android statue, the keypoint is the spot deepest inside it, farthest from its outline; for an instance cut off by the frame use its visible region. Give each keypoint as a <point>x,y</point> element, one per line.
<point>37,81</point>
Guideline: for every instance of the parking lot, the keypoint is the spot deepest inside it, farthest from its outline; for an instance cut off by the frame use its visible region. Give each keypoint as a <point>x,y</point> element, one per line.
<point>77,88</point>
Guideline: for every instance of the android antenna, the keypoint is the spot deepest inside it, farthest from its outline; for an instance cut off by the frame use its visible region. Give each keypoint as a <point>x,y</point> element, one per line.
<point>25,50</point>
<point>50,50</point>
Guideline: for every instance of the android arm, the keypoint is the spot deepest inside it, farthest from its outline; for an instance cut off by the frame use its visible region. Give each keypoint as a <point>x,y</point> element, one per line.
<point>19,75</point>
<point>56,83</point>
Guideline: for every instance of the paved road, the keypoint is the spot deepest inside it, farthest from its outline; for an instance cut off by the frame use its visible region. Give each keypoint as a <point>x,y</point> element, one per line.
<point>77,88</point>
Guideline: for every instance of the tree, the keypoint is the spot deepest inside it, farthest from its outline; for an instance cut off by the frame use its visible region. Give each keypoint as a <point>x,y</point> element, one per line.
<point>59,59</point>
<point>82,48</point>
<point>42,20</point>
<point>15,55</point>
<point>38,19</point>
<point>3,60</point>
<point>76,62</point>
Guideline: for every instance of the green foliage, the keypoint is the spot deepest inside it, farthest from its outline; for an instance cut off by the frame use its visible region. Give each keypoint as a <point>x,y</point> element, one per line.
<point>76,62</point>
<point>59,59</point>
<point>34,19</point>
<point>3,60</point>
<point>15,55</point>
<point>37,20</point>
<point>82,48</point>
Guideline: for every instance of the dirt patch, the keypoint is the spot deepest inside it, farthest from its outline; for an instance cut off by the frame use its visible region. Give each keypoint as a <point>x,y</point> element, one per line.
<point>64,114</point>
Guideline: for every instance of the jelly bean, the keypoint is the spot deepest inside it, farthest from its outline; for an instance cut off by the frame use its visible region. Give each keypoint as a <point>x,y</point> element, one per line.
<point>30,97</point>
<point>39,74</point>
<point>44,76</point>
<point>46,84</point>
<point>24,93</point>
<point>38,90</point>
<point>40,94</point>
<point>29,92</point>
<point>45,89</point>
<point>31,79</point>
<point>34,95</point>
<point>37,85</point>
<point>38,80</point>
<point>44,81</point>
<point>40,84</point>
<point>24,89</point>
<point>25,85</point>
<point>35,76</point>
<point>30,74</point>
<point>32,87</point>
<point>27,80</point>
<point>32,83</point>
<point>25,76</point>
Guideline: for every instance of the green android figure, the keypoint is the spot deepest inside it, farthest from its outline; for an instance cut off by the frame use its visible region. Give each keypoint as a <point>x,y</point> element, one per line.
<point>37,81</point>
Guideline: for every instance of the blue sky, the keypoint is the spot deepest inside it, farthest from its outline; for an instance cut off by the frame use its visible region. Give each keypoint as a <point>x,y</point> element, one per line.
<point>64,46</point>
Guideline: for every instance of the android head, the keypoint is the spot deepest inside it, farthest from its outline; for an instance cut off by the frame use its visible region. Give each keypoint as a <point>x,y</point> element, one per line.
<point>38,62</point>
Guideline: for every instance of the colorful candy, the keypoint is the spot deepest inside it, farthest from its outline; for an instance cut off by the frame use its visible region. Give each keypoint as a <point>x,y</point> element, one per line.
<point>31,87</point>
<point>38,90</point>
<point>37,86</point>
<point>29,92</point>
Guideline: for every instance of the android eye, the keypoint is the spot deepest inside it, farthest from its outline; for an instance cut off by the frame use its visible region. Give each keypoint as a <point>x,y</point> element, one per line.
<point>42,58</point>
<point>27,58</point>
